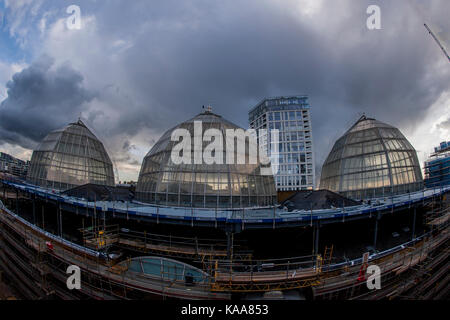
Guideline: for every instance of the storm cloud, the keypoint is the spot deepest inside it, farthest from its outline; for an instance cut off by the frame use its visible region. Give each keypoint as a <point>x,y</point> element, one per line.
<point>138,68</point>
<point>41,99</point>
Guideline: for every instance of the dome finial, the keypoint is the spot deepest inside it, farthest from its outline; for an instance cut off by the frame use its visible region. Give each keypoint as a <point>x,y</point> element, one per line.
<point>79,121</point>
<point>362,117</point>
<point>207,109</point>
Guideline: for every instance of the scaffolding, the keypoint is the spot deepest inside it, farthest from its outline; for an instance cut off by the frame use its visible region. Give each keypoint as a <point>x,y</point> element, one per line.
<point>168,245</point>
<point>264,275</point>
<point>224,273</point>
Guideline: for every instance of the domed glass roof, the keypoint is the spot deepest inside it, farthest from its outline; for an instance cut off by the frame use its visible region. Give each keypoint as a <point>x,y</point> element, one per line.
<point>371,159</point>
<point>70,157</point>
<point>222,185</point>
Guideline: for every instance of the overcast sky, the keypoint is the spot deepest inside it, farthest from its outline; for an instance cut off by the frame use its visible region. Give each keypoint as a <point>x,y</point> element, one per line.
<point>136,68</point>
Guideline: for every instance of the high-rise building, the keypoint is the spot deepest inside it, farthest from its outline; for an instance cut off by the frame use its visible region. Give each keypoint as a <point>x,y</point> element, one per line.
<point>437,167</point>
<point>12,165</point>
<point>291,116</point>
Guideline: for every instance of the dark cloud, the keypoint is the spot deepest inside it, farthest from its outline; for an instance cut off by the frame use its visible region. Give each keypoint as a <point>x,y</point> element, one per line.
<point>40,99</point>
<point>127,146</point>
<point>234,55</point>
<point>182,55</point>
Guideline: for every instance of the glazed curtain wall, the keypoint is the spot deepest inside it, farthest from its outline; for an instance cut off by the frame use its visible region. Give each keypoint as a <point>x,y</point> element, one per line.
<point>70,157</point>
<point>206,185</point>
<point>374,160</point>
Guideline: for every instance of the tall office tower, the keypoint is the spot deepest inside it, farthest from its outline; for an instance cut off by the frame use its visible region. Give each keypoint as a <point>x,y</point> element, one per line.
<point>290,115</point>
<point>437,167</point>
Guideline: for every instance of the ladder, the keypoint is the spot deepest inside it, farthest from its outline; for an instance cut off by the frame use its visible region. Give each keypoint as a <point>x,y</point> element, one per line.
<point>327,255</point>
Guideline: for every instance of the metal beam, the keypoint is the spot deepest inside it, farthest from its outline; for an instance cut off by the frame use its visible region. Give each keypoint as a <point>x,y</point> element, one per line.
<point>17,202</point>
<point>437,41</point>
<point>316,239</point>
<point>34,209</point>
<point>375,236</point>
<point>229,244</point>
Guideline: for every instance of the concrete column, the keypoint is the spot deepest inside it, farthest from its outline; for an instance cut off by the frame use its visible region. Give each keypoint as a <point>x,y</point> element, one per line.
<point>104,220</point>
<point>17,202</point>
<point>60,224</point>
<point>316,239</point>
<point>229,244</point>
<point>57,220</point>
<point>43,222</point>
<point>376,232</point>
<point>413,235</point>
<point>60,220</point>
<point>34,209</point>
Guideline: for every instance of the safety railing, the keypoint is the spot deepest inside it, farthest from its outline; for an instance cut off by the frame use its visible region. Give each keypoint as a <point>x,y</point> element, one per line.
<point>195,245</point>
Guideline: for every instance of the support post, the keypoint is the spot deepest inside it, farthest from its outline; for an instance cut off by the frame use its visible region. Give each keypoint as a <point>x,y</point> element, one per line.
<point>17,202</point>
<point>43,224</point>
<point>229,244</point>
<point>59,219</point>
<point>96,228</point>
<point>375,236</point>
<point>316,240</point>
<point>34,209</point>
<point>104,220</point>
<point>414,224</point>
<point>273,221</point>
<point>232,245</point>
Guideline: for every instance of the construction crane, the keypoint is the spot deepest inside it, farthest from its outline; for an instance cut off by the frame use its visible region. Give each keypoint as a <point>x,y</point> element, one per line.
<point>437,41</point>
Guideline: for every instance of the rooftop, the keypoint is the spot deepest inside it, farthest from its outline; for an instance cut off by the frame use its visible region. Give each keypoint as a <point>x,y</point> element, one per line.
<point>258,217</point>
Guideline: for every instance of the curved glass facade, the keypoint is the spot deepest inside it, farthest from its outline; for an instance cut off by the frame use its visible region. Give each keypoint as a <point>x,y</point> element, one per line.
<point>371,159</point>
<point>70,157</point>
<point>161,181</point>
<point>166,269</point>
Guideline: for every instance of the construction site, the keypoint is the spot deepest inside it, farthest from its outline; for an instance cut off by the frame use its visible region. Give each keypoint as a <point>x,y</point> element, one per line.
<point>44,235</point>
<point>217,212</point>
<point>218,231</point>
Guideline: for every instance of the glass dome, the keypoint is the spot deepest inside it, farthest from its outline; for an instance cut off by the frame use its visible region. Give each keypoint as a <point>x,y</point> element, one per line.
<point>371,159</point>
<point>70,157</point>
<point>161,181</point>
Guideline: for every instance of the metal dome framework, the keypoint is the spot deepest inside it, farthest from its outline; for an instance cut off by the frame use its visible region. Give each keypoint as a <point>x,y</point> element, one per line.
<point>202,185</point>
<point>371,159</point>
<point>70,157</point>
